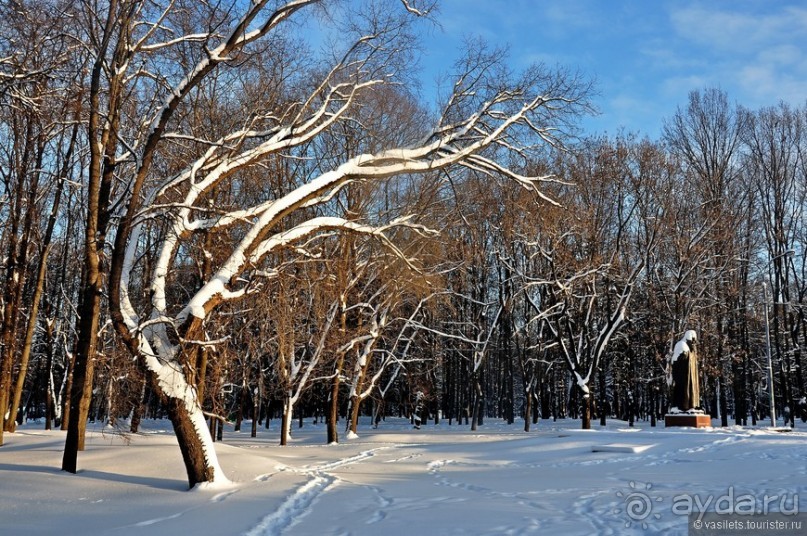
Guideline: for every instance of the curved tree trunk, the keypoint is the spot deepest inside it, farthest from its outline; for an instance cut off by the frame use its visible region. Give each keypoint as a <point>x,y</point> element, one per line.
<point>185,412</point>
<point>194,439</point>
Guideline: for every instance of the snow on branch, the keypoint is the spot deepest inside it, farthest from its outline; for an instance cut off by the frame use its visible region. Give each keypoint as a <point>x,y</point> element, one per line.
<point>420,12</point>
<point>500,121</point>
<point>216,287</point>
<point>190,38</point>
<point>489,166</point>
<point>315,225</point>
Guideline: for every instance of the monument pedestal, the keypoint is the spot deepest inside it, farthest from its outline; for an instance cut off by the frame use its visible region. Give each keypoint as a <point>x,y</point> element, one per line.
<point>694,420</point>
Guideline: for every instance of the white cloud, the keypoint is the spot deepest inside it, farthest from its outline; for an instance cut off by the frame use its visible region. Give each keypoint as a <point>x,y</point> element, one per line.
<point>646,56</point>
<point>765,85</point>
<point>756,56</point>
<point>785,55</point>
<point>735,30</point>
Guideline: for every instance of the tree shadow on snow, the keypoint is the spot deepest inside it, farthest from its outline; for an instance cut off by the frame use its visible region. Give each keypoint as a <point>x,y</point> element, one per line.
<point>172,484</point>
<point>148,481</point>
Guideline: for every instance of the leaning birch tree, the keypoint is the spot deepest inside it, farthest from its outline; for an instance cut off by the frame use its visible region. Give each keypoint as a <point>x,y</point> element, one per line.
<point>488,108</point>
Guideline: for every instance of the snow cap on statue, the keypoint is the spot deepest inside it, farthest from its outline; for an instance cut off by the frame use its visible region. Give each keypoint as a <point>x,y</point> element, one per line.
<point>690,335</point>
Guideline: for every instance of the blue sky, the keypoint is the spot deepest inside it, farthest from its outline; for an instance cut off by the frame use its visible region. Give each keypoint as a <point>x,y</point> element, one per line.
<point>645,55</point>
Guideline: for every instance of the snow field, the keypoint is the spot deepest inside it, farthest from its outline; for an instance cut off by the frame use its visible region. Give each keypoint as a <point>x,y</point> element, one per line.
<point>396,480</point>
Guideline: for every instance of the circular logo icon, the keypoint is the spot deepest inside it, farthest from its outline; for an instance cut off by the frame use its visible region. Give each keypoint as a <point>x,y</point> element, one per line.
<point>638,505</point>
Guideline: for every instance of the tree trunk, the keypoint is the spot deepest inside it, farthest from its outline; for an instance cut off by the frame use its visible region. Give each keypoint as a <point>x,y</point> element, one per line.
<point>17,262</point>
<point>527,411</point>
<point>242,402</point>
<point>102,130</point>
<point>603,395</point>
<point>211,427</point>
<point>256,411</point>
<point>185,412</point>
<point>190,429</point>
<point>724,410</point>
<point>6,358</point>
<point>44,252</point>
<point>586,413</point>
<point>137,410</point>
<point>49,404</point>
<point>631,408</point>
<point>355,408</point>
<point>285,426</point>
<point>83,368</point>
<point>355,399</point>
<point>333,410</point>
<point>67,387</point>
<point>476,401</point>
<point>28,341</point>
<point>11,304</point>
<point>378,414</point>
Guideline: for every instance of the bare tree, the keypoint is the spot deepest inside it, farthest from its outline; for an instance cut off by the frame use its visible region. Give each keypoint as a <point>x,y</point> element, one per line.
<point>597,262</point>
<point>36,96</point>
<point>707,137</point>
<point>487,108</point>
<point>776,139</point>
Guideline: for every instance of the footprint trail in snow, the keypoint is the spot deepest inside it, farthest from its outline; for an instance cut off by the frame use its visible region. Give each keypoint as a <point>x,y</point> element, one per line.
<point>299,503</point>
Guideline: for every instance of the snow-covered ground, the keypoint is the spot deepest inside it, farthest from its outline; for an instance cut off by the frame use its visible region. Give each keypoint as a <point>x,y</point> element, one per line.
<point>399,481</point>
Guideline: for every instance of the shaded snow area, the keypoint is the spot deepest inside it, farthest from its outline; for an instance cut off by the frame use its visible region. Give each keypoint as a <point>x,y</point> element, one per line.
<point>399,481</point>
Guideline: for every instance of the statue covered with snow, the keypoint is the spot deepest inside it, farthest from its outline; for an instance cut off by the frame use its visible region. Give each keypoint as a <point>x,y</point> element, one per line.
<point>686,395</point>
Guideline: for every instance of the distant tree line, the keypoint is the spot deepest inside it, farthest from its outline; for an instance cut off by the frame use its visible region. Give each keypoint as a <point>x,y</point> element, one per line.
<point>205,218</point>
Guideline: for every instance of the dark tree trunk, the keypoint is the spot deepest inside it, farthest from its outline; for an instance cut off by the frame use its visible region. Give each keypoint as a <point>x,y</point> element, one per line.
<point>192,449</point>
<point>585,417</point>
<point>631,408</point>
<point>527,411</point>
<point>333,410</point>
<point>256,408</point>
<point>242,405</point>
<point>212,427</point>
<point>355,409</point>
<point>83,368</point>
<point>603,395</point>
<point>476,404</point>
<point>137,410</point>
<point>285,424</point>
<point>103,141</point>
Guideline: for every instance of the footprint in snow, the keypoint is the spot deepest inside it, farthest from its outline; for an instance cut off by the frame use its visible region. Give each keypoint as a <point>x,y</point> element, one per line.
<point>156,520</point>
<point>223,495</point>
